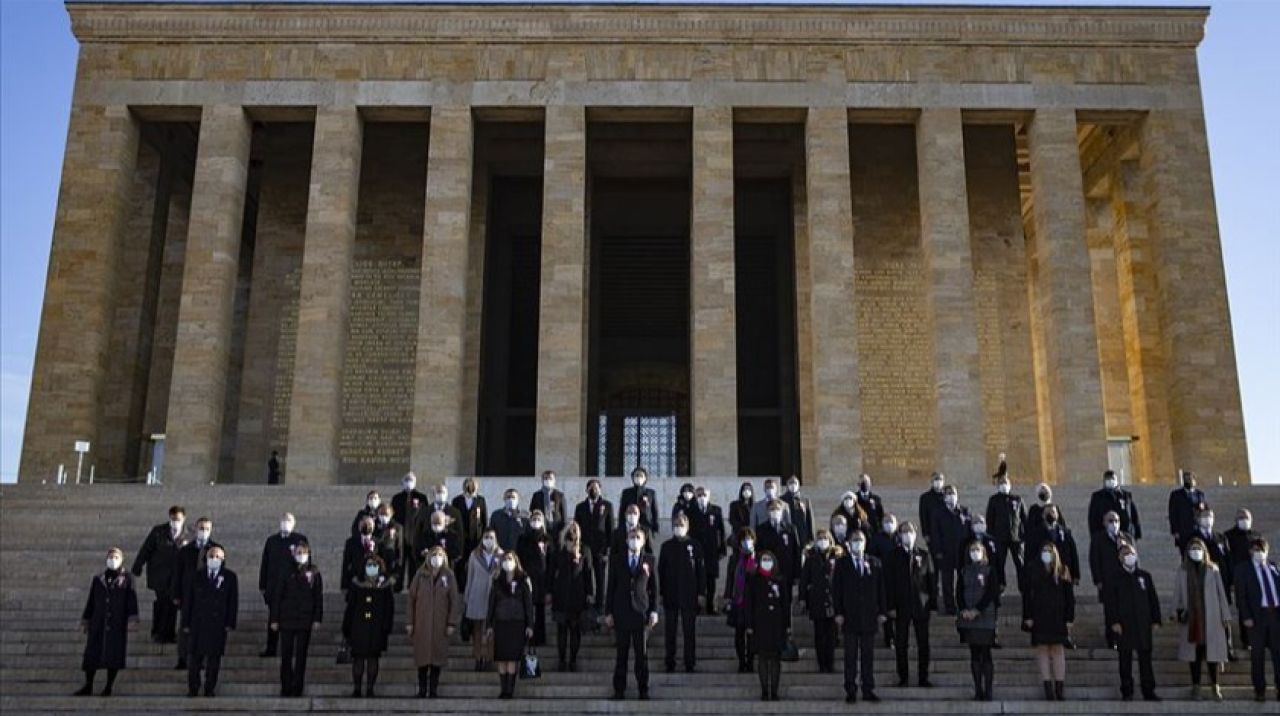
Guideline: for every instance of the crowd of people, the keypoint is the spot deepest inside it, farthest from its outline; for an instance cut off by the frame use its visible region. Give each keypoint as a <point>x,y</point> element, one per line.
<point>859,575</point>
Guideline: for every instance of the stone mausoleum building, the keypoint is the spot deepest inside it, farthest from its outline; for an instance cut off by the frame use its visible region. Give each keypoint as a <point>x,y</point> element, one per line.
<point>715,240</point>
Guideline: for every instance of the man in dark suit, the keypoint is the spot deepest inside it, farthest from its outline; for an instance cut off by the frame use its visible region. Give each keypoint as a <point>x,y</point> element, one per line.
<point>631,610</point>
<point>475,520</point>
<point>800,509</point>
<point>779,537</point>
<point>277,561</point>
<point>951,529</point>
<point>392,544</point>
<point>931,500</point>
<point>869,501</point>
<point>159,555</point>
<point>1007,525</point>
<point>370,510</point>
<point>354,551</point>
<point>594,516</point>
<point>212,599</point>
<point>408,502</point>
<point>550,502</point>
<point>509,522</point>
<point>440,504</point>
<point>643,497</point>
<point>681,575</point>
<point>1239,550</point>
<point>1113,498</point>
<point>1219,550</point>
<point>911,589</point>
<point>191,559</point>
<point>1131,608</point>
<point>1184,504</point>
<point>1258,599</point>
<point>706,524</point>
<point>1104,558</point>
<point>631,520</point>
<point>859,590</point>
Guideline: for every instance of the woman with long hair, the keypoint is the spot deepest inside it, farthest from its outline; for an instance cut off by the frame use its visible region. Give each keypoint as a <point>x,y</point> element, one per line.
<point>484,562</point>
<point>1048,610</point>
<point>741,568</point>
<point>434,610</point>
<point>1200,606</point>
<point>977,596</point>
<point>572,588</point>
<point>815,592</point>
<point>509,624</point>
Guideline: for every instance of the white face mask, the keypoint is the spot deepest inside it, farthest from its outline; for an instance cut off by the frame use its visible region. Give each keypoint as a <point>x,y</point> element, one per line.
<point>1196,555</point>
<point>840,531</point>
<point>979,528</point>
<point>536,524</point>
<point>302,558</point>
<point>633,520</point>
<point>822,545</point>
<point>176,525</point>
<point>856,546</point>
<point>937,485</point>
<point>408,484</point>
<point>384,519</point>
<point>508,566</point>
<point>766,565</point>
<point>748,545</point>
<point>113,562</point>
<point>951,500</point>
<point>747,494</point>
<point>1259,557</point>
<point>975,555</point>
<point>703,501</point>
<point>1003,488</point>
<point>848,503</point>
<point>770,492</point>
<point>1206,523</point>
<point>1046,557</point>
<point>437,527</point>
<point>635,544</point>
<point>512,503</point>
<point>373,503</point>
<point>1109,484</point>
<point>909,539</point>
<point>441,497</point>
<point>1244,524</point>
<point>638,481</point>
<point>371,570</point>
<point>437,562</point>
<point>793,487</point>
<point>681,530</point>
<point>686,496</point>
<point>1130,560</point>
<point>489,543</point>
<point>286,527</point>
<point>775,515</point>
<point>889,527</point>
<point>1113,528</point>
<point>203,535</point>
<point>549,484</point>
<point>214,563</point>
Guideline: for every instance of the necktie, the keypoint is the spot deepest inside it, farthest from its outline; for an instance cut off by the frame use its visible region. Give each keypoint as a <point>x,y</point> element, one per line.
<point>1270,596</point>
<point>211,575</point>
<point>633,564</point>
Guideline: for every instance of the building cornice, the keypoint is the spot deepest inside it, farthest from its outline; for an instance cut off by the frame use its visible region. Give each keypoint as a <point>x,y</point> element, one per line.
<point>150,22</point>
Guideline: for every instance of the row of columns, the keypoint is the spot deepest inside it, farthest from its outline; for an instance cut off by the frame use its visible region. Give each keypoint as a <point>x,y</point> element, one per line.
<point>82,276</point>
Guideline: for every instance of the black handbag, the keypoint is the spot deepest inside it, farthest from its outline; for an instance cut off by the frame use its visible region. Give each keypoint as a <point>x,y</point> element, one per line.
<point>790,652</point>
<point>530,668</point>
<point>344,652</point>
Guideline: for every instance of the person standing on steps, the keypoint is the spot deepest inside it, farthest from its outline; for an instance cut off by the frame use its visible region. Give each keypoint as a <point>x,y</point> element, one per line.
<point>366,623</point>
<point>190,561</point>
<point>390,543</point>
<point>433,611</point>
<point>642,497</point>
<point>931,500</point>
<point>631,520</point>
<point>276,562</point>
<point>484,564</point>
<point>509,622</point>
<point>110,613</point>
<point>681,574</point>
<point>742,566</point>
<point>571,583</point>
<point>509,522</point>
<point>859,590</point>
<point>801,510</point>
<point>778,536</point>
<point>213,600</point>
<point>950,532</point>
<point>631,610</point>
<point>1132,609</point>
<point>535,549</point>
<point>1048,611</point>
<point>1007,525</point>
<point>911,589</point>
<point>474,513</point>
<point>707,526</point>
<point>369,511</point>
<point>977,594</point>
<point>594,516</point>
<point>1258,600</point>
<point>818,597</point>
<point>762,509</point>
<point>1104,558</point>
<point>405,506</point>
<point>1185,503</point>
<point>550,502</point>
<point>1240,539</point>
<point>1113,498</point>
<point>1200,607</point>
<point>768,613</point>
<point>871,504</point>
<point>159,555</point>
<point>297,611</point>
<point>881,544</point>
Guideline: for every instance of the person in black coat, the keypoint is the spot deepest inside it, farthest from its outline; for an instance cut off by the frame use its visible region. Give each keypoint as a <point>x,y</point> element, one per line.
<point>1131,610</point>
<point>277,561</point>
<point>594,516</point>
<point>474,514</point>
<point>439,503</point>
<point>572,586</point>
<point>1184,504</point>
<point>882,541</point>
<point>800,509</point>
<point>643,497</point>
<point>354,551</point>
<point>768,615</point>
<point>681,574</point>
<point>1239,546</point>
<point>1007,525</point>
<point>816,595</point>
<point>869,501</point>
<point>978,533</point>
<point>1054,531</point>
<point>1113,498</point>
<point>684,500</point>
<point>391,544</point>
<point>110,613</point>
<point>1104,558</point>
<point>859,589</point>
<point>405,506</point>
<point>740,509</point>
<point>1217,547</point>
<point>159,555</point>
<point>1035,514</point>
<point>631,610</point>
<point>854,516</point>
<point>190,561</point>
<point>213,600</point>
<point>707,527</point>
<point>509,522</point>
<point>509,624</point>
<point>949,533</point>
<point>911,591</point>
<point>550,502</point>
<point>1258,601</point>
<point>1048,611</point>
<point>369,511</point>
<point>535,548</point>
<point>436,531</point>
<point>930,501</point>
<point>631,520</point>
<point>366,622</point>
<point>779,537</point>
<point>298,610</point>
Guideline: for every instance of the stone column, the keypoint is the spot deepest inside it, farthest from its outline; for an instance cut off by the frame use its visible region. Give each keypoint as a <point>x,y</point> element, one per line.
<point>1063,301</point>
<point>1112,369</point>
<point>197,393</point>
<point>88,235</point>
<point>438,394</point>
<point>560,442</point>
<point>948,263</point>
<point>713,328</point>
<point>315,404</point>
<point>1206,419</point>
<point>833,327</point>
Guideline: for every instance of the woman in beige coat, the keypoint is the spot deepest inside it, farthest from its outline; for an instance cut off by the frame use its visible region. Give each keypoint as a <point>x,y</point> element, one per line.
<point>434,610</point>
<point>1200,606</point>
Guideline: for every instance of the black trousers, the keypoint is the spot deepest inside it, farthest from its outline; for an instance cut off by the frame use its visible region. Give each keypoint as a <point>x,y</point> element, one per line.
<point>210,664</point>
<point>1201,657</point>
<point>1265,637</point>
<point>824,642</point>
<point>1146,674</point>
<point>1004,550</point>
<point>599,565</point>
<point>164,617</point>
<point>709,590</point>
<point>184,643</point>
<point>686,617</point>
<point>741,643</point>
<point>859,660</point>
<point>539,619</point>
<point>293,660</point>
<point>947,575</point>
<point>902,627</point>
<point>635,640</point>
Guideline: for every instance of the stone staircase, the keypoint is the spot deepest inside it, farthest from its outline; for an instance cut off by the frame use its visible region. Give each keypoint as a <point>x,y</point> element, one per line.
<point>53,539</point>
